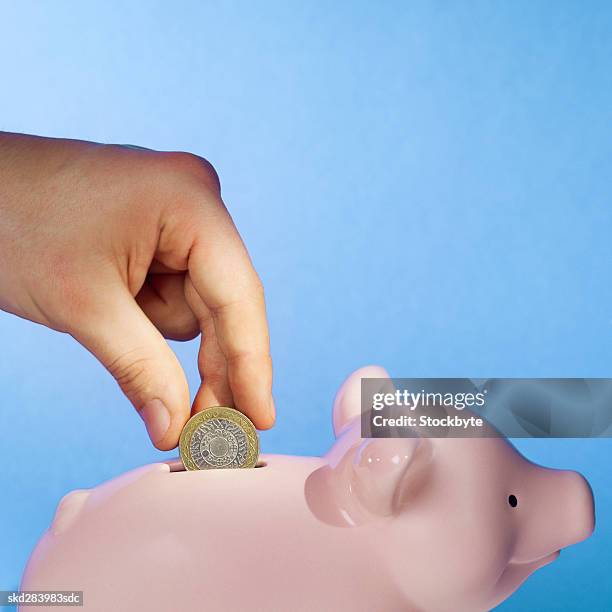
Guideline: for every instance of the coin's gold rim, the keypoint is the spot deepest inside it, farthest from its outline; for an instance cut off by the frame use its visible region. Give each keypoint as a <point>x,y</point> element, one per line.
<point>219,412</point>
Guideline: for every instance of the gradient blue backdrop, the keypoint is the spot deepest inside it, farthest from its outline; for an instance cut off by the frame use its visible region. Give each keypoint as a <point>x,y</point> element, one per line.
<point>421,185</point>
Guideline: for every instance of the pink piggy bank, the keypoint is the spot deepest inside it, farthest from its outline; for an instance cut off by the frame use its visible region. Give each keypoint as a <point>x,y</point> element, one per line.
<point>427,525</point>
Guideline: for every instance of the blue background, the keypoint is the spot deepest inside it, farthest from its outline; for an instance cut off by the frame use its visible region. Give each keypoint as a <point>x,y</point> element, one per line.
<point>421,185</point>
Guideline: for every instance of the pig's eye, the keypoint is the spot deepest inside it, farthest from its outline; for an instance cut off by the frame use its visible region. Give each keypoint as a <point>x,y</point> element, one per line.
<point>513,501</point>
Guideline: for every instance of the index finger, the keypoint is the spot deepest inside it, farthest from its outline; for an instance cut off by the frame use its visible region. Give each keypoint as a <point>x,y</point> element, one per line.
<point>225,280</point>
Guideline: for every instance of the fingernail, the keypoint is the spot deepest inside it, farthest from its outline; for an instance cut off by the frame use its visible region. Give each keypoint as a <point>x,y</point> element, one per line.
<point>156,418</point>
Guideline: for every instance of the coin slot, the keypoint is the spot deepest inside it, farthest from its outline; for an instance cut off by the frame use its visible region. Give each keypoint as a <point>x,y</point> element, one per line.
<point>176,465</point>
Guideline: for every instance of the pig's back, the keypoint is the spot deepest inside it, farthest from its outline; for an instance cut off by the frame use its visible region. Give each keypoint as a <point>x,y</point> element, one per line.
<point>160,540</point>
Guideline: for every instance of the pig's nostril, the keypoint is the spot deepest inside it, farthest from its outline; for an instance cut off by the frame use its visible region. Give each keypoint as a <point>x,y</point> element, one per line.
<point>513,501</point>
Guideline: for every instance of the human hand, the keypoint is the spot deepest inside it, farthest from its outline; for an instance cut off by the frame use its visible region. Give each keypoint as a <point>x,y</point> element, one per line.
<point>123,247</point>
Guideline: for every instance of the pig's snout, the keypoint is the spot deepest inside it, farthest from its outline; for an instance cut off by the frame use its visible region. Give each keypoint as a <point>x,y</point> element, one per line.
<point>557,511</point>
<point>577,509</point>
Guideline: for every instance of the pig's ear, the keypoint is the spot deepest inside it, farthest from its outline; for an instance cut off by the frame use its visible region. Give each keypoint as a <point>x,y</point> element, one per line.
<point>373,478</point>
<point>379,468</point>
<point>347,405</point>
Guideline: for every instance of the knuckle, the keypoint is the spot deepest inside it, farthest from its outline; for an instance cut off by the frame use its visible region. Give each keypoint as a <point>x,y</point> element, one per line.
<point>247,358</point>
<point>215,376</point>
<point>130,371</point>
<point>209,174</point>
<point>194,166</point>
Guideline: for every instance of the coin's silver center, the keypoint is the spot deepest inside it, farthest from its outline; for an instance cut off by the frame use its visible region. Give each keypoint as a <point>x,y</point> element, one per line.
<point>219,443</point>
<point>219,447</point>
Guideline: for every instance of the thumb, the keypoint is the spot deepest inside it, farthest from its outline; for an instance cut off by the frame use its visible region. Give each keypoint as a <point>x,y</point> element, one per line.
<point>121,336</point>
